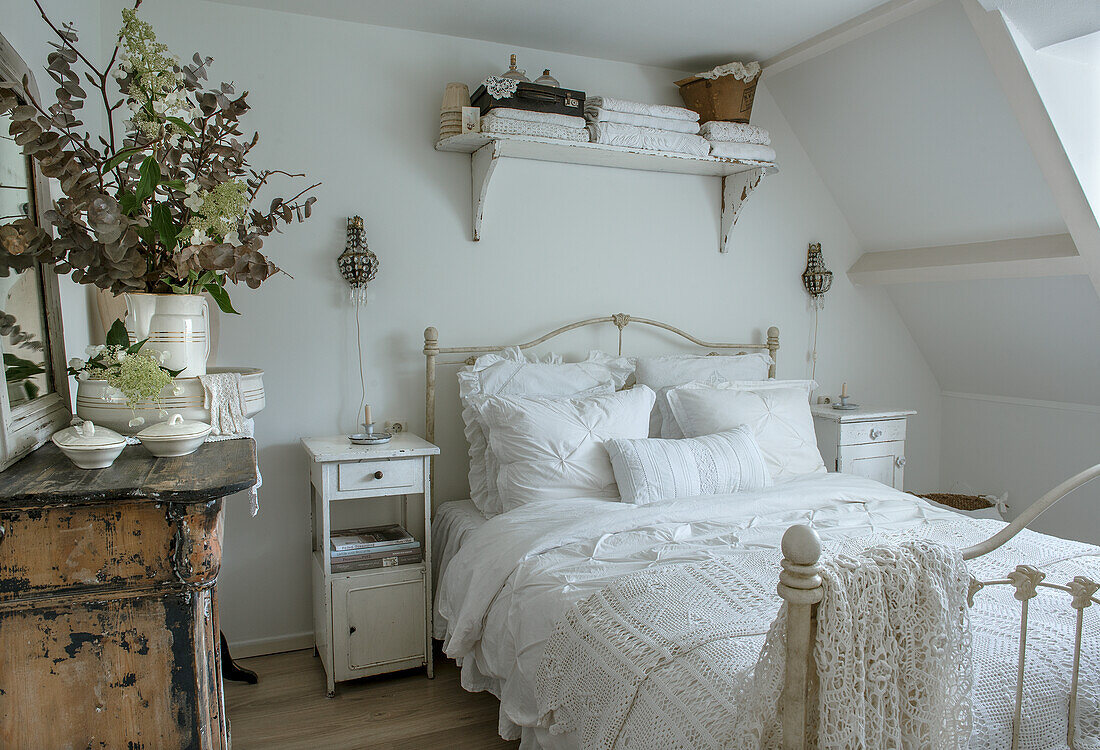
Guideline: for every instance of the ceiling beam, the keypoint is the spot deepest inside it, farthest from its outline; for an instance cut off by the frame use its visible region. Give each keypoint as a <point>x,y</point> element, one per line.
<point>827,41</point>
<point>1040,133</point>
<point>1029,257</point>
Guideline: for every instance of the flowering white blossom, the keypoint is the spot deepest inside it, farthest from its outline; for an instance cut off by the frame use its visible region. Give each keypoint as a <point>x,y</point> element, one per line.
<point>82,375</point>
<point>194,202</point>
<point>76,363</point>
<point>137,421</point>
<point>232,238</point>
<point>121,356</point>
<point>191,187</point>
<point>93,351</point>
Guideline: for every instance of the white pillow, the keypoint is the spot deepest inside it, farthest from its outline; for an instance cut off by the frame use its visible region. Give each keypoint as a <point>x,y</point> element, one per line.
<point>511,373</point>
<point>777,412</point>
<point>653,469</point>
<point>551,449</point>
<point>676,370</point>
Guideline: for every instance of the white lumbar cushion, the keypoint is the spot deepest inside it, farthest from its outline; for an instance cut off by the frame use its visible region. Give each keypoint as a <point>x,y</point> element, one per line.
<point>776,411</point>
<point>676,370</point>
<point>512,373</point>
<point>654,469</point>
<point>551,449</point>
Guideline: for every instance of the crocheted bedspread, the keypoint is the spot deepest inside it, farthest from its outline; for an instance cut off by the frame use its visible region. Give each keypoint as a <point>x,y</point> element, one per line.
<point>673,658</point>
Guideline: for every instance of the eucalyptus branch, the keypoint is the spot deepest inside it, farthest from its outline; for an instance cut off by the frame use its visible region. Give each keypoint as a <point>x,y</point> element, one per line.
<point>64,38</point>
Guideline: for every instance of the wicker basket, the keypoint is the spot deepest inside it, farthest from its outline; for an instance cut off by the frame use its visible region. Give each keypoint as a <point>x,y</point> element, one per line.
<point>725,98</point>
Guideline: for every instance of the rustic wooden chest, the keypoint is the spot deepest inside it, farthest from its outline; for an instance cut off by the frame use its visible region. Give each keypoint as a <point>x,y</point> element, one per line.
<point>108,606</point>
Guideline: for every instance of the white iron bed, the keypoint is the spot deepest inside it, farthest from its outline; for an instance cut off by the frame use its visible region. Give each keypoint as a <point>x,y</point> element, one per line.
<point>505,581</point>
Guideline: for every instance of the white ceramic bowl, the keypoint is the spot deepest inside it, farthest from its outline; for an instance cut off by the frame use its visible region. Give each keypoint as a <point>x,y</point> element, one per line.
<point>88,447</point>
<point>176,437</point>
<point>102,404</point>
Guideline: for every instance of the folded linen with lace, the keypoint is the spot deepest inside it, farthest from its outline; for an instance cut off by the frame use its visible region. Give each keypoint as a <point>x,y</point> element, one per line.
<point>640,108</point>
<point>735,132</point>
<point>599,114</point>
<point>526,115</point>
<point>746,151</point>
<point>506,126</point>
<point>224,398</point>
<point>620,134</point>
<point>650,660</point>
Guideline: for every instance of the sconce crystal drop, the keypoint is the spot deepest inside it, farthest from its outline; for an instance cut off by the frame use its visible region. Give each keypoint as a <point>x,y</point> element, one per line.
<point>358,265</point>
<point>816,278</point>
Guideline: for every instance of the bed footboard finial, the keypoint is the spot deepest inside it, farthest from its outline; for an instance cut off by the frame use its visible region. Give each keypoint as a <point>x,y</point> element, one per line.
<point>800,587</point>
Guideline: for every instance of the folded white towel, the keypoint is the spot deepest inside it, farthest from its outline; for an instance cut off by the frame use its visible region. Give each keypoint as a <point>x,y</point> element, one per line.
<point>618,134</point>
<point>504,126</point>
<point>735,132</point>
<point>550,118</point>
<point>641,108</point>
<point>599,114</point>
<point>743,151</point>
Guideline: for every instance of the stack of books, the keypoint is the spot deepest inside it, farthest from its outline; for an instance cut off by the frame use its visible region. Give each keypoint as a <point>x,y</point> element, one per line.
<point>373,547</point>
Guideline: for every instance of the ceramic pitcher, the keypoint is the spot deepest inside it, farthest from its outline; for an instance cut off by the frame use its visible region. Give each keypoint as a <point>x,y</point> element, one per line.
<point>178,324</point>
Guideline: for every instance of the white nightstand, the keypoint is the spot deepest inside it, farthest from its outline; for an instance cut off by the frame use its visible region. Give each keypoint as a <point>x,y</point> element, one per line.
<point>861,441</point>
<point>367,622</point>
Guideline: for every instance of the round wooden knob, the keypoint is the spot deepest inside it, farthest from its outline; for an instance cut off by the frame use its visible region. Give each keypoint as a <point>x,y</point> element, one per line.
<point>378,475</point>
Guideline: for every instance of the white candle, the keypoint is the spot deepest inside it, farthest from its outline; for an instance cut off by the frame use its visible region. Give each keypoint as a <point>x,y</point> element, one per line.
<point>843,394</point>
<point>366,415</point>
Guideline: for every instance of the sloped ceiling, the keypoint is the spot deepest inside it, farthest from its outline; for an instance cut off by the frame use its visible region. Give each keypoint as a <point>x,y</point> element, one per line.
<point>1022,338</point>
<point>911,132</point>
<point>684,35</point>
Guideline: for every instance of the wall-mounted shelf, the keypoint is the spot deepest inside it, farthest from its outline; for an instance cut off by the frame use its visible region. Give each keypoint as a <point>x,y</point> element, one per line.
<point>739,178</point>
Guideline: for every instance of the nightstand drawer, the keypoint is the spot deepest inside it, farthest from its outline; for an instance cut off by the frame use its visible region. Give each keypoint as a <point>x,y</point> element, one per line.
<point>884,431</point>
<point>395,474</point>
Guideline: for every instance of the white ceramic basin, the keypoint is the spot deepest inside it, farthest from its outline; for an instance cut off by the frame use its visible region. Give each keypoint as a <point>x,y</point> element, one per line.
<point>98,402</point>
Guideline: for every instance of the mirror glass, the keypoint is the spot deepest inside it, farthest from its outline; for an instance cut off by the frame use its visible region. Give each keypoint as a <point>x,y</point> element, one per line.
<point>22,305</point>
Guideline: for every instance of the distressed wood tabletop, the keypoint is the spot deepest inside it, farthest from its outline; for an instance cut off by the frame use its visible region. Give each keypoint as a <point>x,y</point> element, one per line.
<point>47,478</point>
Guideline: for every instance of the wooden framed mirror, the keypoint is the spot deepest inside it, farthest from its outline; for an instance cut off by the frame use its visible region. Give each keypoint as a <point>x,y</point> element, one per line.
<point>34,397</point>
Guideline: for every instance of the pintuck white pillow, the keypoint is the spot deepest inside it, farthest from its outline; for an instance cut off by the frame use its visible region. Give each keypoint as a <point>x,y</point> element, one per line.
<point>676,370</point>
<point>550,449</point>
<point>511,372</point>
<point>776,411</point>
<point>654,469</point>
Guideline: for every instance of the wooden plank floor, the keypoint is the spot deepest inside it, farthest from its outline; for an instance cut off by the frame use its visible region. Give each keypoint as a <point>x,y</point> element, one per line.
<point>288,709</point>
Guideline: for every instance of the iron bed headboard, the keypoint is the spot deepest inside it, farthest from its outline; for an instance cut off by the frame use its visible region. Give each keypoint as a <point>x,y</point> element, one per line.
<point>432,351</point>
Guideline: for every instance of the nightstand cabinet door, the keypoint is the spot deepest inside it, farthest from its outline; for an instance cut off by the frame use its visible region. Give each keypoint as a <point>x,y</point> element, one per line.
<point>883,462</point>
<point>372,615</point>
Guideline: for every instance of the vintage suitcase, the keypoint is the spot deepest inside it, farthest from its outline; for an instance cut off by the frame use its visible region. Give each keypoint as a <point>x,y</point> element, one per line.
<point>534,97</point>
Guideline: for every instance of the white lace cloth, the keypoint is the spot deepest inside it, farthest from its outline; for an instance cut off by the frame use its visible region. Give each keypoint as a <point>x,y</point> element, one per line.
<point>648,662</point>
<point>507,126</point>
<point>735,132</point>
<point>640,108</point>
<point>223,397</point>
<point>599,114</point>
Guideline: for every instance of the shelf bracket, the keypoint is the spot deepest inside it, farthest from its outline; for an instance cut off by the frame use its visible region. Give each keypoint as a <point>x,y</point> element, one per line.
<point>736,189</point>
<point>482,164</point>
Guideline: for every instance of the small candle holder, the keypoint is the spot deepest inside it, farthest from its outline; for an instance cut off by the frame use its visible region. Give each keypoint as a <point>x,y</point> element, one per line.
<point>369,437</point>
<point>843,404</point>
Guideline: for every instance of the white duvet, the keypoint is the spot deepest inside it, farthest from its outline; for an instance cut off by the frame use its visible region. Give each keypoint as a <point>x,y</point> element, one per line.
<point>515,576</point>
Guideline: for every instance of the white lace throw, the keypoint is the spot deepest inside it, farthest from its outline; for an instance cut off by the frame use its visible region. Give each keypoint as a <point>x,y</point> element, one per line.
<point>650,661</point>
<point>224,398</point>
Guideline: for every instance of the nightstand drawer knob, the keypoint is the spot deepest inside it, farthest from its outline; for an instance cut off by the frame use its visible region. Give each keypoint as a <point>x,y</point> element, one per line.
<point>377,475</point>
<point>876,433</point>
<point>900,461</point>
<point>351,629</point>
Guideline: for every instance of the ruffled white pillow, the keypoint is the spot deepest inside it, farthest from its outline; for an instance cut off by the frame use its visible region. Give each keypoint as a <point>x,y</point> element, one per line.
<point>655,469</point>
<point>776,411</point>
<point>552,448</point>
<point>676,370</point>
<point>510,372</point>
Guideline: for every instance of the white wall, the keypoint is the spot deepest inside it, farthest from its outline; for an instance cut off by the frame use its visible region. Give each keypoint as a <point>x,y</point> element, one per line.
<point>1024,447</point>
<point>356,106</point>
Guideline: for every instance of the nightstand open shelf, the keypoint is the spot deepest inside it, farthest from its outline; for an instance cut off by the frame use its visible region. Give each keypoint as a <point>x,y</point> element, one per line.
<point>371,620</point>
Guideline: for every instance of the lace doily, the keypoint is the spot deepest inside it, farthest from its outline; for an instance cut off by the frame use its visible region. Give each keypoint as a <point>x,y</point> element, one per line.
<point>500,87</point>
<point>741,71</point>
